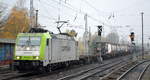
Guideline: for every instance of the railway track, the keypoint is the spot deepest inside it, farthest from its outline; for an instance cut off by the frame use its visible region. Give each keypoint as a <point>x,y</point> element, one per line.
<point>135,72</point>
<point>57,72</point>
<point>104,72</point>
<point>102,75</point>
<point>83,75</point>
<point>30,76</point>
<point>128,72</point>
<point>13,75</point>
<point>143,72</point>
<point>5,71</point>
<point>113,75</point>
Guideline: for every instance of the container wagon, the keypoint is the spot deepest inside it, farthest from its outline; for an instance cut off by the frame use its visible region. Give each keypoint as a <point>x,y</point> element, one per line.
<point>6,51</point>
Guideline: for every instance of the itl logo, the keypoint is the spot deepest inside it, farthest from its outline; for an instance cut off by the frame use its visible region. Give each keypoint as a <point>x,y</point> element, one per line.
<point>65,48</point>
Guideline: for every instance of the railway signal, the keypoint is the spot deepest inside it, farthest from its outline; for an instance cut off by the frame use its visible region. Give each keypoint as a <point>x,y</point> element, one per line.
<point>132,36</point>
<point>99,30</point>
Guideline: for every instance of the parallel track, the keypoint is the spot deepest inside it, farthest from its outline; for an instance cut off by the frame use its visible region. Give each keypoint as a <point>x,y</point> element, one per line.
<point>136,67</point>
<point>142,74</point>
<point>100,74</point>
<point>90,72</point>
<point>113,75</point>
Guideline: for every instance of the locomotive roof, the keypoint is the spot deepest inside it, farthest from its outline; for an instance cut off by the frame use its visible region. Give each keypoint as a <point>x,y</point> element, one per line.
<point>54,36</point>
<point>62,36</point>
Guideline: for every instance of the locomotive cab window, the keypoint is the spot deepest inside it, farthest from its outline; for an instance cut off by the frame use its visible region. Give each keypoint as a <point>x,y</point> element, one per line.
<point>28,41</point>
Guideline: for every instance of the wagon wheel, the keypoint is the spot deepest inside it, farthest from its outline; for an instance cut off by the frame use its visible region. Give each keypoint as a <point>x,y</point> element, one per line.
<point>48,68</point>
<point>66,64</point>
<point>42,69</point>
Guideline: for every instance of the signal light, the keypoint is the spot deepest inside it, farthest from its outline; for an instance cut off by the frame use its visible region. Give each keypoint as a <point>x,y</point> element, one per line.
<point>99,30</point>
<point>132,36</point>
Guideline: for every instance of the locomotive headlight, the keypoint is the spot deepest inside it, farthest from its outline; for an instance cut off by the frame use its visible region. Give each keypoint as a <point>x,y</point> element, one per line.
<point>27,48</point>
<point>36,57</point>
<point>18,57</point>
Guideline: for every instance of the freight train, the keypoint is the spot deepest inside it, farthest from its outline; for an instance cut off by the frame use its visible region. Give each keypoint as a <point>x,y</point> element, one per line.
<point>44,51</point>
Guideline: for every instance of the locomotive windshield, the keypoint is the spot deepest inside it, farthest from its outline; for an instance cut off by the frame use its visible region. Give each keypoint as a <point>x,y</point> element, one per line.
<point>28,40</point>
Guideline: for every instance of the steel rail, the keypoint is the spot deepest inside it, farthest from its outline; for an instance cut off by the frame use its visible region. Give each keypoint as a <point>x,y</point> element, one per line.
<point>142,73</point>
<point>14,75</point>
<point>122,76</point>
<point>113,71</point>
<point>83,72</point>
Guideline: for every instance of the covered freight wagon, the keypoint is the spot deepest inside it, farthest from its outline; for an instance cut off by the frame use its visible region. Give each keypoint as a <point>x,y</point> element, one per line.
<point>6,51</point>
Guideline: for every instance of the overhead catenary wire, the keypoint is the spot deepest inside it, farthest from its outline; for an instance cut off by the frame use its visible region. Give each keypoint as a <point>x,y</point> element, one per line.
<point>88,14</point>
<point>96,9</point>
<point>78,11</point>
<point>46,2</point>
<point>100,13</point>
<point>48,11</point>
<point>83,13</point>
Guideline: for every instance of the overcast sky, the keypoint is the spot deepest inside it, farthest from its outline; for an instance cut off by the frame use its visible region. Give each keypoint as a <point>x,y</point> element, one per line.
<point>122,16</point>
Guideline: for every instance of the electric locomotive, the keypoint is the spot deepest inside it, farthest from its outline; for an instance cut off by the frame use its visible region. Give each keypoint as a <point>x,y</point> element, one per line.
<point>43,51</point>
